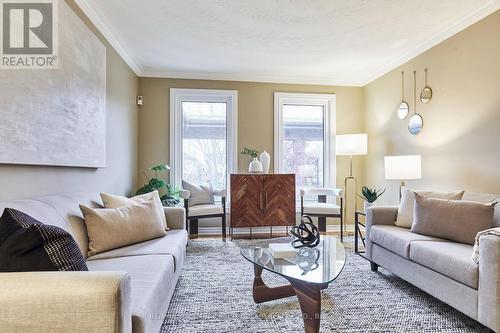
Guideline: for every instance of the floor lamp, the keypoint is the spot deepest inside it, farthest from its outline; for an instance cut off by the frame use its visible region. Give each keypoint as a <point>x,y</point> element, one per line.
<point>350,145</point>
<point>403,168</point>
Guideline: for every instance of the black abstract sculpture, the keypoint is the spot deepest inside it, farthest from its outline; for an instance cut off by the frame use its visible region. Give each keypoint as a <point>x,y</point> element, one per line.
<point>306,233</point>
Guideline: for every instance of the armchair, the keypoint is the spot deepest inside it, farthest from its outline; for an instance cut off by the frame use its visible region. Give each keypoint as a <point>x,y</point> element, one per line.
<point>322,208</point>
<point>204,211</point>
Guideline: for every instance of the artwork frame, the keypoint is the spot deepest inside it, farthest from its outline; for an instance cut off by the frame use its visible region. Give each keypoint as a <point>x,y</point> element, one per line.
<point>57,117</point>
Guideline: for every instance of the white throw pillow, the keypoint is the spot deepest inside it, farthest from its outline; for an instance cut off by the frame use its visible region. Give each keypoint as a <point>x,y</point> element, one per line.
<point>117,201</point>
<point>199,194</point>
<point>407,204</point>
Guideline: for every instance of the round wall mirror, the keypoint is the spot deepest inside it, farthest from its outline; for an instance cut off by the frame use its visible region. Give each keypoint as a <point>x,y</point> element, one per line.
<point>426,95</point>
<point>403,110</point>
<point>416,124</point>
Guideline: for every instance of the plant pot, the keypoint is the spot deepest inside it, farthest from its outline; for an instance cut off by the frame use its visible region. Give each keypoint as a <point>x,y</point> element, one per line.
<point>368,205</point>
<point>265,159</point>
<point>255,166</point>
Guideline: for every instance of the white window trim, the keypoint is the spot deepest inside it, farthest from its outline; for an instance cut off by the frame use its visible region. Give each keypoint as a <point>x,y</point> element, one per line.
<point>202,95</point>
<point>328,101</point>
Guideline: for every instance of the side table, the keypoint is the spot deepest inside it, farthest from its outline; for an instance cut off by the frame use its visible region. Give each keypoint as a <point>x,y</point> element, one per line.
<point>357,232</point>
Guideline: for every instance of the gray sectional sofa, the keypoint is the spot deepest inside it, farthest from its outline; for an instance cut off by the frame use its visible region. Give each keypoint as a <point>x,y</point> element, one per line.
<point>440,267</point>
<point>126,289</point>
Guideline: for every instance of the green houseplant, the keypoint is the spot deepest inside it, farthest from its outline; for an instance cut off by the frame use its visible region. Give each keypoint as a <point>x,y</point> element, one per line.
<point>169,194</point>
<point>250,152</point>
<point>370,195</point>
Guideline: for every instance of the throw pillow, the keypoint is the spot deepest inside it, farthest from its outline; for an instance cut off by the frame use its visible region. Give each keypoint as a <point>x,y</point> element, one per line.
<point>117,201</point>
<point>27,244</point>
<point>199,194</point>
<point>456,220</point>
<point>406,206</point>
<point>110,228</point>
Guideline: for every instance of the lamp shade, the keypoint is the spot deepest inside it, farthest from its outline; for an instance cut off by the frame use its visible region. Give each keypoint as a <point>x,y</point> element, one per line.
<point>403,167</point>
<point>352,144</point>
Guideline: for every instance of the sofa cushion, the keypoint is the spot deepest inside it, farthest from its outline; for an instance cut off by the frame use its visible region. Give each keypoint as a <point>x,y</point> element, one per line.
<point>397,239</point>
<point>200,210</point>
<point>485,197</point>
<point>450,259</point>
<point>110,228</point>
<point>67,206</point>
<point>456,220</point>
<point>117,201</point>
<point>407,204</point>
<point>173,243</point>
<point>321,208</point>
<point>27,244</point>
<point>152,281</point>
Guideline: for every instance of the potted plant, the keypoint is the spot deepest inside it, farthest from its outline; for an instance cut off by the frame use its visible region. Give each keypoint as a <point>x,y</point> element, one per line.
<point>370,196</point>
<point>170,196</point>
<point>255,166</point>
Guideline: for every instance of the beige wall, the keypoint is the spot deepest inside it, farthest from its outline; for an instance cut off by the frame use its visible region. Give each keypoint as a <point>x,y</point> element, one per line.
<point>119,176</point>
<point>460,144</point>
<point>255,117</point>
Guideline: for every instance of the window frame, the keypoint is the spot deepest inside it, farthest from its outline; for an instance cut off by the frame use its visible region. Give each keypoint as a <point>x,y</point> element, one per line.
<point>179,95</point>
<point>328,102</point>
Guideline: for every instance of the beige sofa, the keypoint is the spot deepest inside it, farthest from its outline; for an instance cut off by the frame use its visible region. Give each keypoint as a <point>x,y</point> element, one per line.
<point>440,267</point>
<point>126,289</point>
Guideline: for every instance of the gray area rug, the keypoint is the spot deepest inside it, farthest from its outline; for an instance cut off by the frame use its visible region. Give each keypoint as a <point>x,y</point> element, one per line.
<point>214,294</point>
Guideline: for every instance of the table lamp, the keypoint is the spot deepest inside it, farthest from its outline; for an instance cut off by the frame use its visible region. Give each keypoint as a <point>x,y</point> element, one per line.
<point>349,145</point>
<point>403,168</point>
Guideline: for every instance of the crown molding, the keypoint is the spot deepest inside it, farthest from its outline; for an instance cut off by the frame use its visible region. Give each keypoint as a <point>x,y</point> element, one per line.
<point>245,77</point>
<point>452,30</point>
<point>95,15</point>
<point>97,18</point>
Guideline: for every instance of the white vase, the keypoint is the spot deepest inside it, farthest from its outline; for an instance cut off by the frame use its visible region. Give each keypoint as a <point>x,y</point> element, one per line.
<point>255,166</point>
<point>368,205</point>
<point>265,159</point>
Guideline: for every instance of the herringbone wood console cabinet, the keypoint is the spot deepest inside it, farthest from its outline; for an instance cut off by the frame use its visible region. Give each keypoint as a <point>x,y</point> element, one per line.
<point>259,200</point>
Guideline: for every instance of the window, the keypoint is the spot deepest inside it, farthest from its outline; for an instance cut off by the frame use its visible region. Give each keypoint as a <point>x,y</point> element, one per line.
<point>203,136</point>
<point>303,138</point>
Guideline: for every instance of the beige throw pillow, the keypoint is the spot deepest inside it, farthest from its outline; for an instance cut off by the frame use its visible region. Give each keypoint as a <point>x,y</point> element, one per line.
<point>456,220</point>
<point>110,228</point>
<point>117,201</point>
<point>199,194</point>
<point>406,206</point>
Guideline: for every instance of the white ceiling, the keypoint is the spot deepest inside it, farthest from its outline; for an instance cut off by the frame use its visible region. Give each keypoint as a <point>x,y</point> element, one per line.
<point>341,42</point>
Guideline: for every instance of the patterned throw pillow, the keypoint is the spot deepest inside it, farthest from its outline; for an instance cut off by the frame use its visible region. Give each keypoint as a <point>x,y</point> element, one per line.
<point>27,244</point>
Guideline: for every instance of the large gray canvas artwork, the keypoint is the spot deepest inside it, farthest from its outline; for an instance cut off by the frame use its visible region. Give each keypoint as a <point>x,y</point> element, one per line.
<point>57,116</point>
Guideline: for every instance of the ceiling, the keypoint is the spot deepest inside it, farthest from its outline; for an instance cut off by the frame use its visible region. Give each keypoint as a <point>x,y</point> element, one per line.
<point>338,42</point>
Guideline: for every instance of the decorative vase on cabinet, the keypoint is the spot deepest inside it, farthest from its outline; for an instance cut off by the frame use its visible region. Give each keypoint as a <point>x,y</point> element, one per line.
<point>255,166</point>
<point>265,159</point>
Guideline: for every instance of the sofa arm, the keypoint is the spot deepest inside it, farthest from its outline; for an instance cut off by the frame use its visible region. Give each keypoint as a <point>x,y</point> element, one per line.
<point>489,282</point>
<point>65,302</point>
<point>379,215</point>
<point>176,217</point>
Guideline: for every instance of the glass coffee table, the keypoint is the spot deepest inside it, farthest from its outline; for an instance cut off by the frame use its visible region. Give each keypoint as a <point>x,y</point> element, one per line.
<point>310,271</point>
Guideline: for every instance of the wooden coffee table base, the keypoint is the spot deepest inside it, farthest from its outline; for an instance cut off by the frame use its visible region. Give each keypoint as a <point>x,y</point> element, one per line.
<point>309,295</point>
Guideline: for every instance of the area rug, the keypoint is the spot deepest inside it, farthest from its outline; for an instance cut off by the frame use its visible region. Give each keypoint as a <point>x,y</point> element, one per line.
<point>214,294</point>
